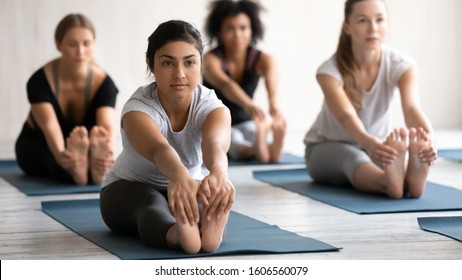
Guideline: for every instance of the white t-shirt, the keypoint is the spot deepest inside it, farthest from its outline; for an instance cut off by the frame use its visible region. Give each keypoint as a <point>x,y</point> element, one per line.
<point>133,167</point>
<point>375,103</point>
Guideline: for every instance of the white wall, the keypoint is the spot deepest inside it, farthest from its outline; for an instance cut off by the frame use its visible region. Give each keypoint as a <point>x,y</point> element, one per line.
<point>299,33</point>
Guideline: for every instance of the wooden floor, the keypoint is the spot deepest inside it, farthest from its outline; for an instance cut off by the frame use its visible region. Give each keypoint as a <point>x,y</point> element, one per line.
<point>27,233</point>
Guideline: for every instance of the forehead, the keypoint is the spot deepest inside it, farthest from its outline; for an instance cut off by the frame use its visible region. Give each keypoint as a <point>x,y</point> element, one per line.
<point>239,19</point>
<point>78,33</point>
<point>369,7</point>
<point>178,49</point>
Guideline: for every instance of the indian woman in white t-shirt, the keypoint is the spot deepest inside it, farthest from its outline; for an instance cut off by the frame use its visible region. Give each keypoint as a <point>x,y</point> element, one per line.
<point>351,141</point>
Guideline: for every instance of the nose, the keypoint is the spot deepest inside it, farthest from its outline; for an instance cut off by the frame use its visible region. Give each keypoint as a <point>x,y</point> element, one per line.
<point>373,26</point>
<point>80,49</point>
<point>179,72</point>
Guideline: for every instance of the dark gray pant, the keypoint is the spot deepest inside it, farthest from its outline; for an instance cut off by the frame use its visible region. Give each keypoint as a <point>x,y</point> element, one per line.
<point>137,208</point>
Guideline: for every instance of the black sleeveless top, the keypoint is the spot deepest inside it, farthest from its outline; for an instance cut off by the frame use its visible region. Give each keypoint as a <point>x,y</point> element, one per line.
<point>248,83</point>
<point>38,90</point>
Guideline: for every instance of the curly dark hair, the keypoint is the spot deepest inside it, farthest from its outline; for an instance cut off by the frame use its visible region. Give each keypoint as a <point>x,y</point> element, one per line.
<point>222,9</point>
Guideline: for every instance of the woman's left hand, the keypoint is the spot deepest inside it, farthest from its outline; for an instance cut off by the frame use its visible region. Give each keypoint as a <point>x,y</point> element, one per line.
<point>429,152</point>
<point>217,194</point>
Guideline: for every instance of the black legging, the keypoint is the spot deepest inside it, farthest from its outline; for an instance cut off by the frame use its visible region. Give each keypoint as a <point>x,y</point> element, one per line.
<point>137,208</point>
<point>35,158</point>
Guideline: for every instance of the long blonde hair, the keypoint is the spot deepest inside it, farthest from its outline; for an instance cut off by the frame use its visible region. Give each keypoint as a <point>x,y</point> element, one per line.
<point>345,60</point>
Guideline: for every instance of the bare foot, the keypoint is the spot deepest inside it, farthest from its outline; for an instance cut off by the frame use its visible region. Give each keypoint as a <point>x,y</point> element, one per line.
<point>261,144</point>
<point>101,155</point>
<point>417,170</point>
<point>394,172</point>
<point>279,131</point>
<point>184,236</point>
<point>212,231</point>
<point>78,144</point>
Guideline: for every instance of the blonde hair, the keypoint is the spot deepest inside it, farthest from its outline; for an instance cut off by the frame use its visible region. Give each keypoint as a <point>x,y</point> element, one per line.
<point>70,21</point>
<point>345,60</point>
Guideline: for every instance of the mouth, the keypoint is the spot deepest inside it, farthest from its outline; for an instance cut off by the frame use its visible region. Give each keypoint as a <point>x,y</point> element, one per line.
<point>179,86</point>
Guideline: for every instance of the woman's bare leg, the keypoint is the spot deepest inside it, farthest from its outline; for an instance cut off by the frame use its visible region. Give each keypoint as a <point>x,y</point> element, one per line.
<point>78,145</point>
<point>417,171</point>
<point>279,131</point>
<point>262,152</point>
<point>395,172</point>
<point>184,236</point>
<point>212,231</point>
<point>101,154</point>
<point>370,178</point>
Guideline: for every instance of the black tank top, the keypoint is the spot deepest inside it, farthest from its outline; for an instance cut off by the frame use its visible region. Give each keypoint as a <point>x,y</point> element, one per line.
<point>248,83</point>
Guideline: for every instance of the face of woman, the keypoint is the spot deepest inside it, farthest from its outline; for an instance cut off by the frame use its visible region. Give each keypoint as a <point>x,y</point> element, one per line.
<point>177,69</point>
<point>236,32</point>
<point>367,24</point>
<point>77,46</point>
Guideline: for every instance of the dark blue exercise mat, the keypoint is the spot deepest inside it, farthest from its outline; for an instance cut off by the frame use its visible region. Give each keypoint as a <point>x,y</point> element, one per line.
<point>287,158</point>
<point>435,198</point>
<point>10,171</point>
<point>244,235</point>
<point>451,154</point>
<point>447,226</point>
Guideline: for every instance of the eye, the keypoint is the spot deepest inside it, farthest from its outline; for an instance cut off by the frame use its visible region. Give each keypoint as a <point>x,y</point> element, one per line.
<point>166,63</point>
<point>190,62</point>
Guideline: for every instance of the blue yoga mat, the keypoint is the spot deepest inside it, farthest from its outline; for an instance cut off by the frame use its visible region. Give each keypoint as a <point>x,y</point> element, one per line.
<point>451,154</point>
<point>435,198</point>
<point>244,235</point>
<point>447,226</point>
<point>287,158</point>
<point>10,171</point>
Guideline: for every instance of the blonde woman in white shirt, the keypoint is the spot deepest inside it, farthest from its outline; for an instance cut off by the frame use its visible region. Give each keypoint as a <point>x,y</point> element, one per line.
<point>351,140</point>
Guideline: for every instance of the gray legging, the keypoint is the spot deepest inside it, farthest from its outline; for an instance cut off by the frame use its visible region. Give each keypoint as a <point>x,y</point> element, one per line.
<point>137,208</point>
<point>334,162</point>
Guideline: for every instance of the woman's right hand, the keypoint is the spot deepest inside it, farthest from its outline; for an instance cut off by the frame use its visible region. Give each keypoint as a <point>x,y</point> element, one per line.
<point>379,152</point>
<point>67,160</point>
<point>182,199</point>
<point>255,111</point>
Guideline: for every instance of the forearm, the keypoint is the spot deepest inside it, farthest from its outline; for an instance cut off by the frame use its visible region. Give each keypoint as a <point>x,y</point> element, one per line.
<point>234,93</point>
<point>415,118</point>
<point>355,128</point>
<point>55,139</point>
<point>215,158</point>
<point>169,163</point>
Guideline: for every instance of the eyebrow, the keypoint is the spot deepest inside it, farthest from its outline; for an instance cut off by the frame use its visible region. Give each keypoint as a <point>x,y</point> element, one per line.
<point>174,58</point>
<point>363,15</point>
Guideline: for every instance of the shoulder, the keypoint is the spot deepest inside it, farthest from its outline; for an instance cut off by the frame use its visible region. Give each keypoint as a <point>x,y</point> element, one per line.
<point>396,64</point>
<point>101,80</point>
<point>393,56</point>
<point>329,68</point>
<point>38,81</point>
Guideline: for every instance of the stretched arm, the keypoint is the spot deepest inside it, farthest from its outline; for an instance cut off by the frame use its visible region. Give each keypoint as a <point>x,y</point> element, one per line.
<point>412,111</point>
<point>46,119</point>
<point>342,109</point>
<point>267,67</point>
<point>217,192</point>
<point>105,117</point>
<point>230,88</point>
<point>145,137</point>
